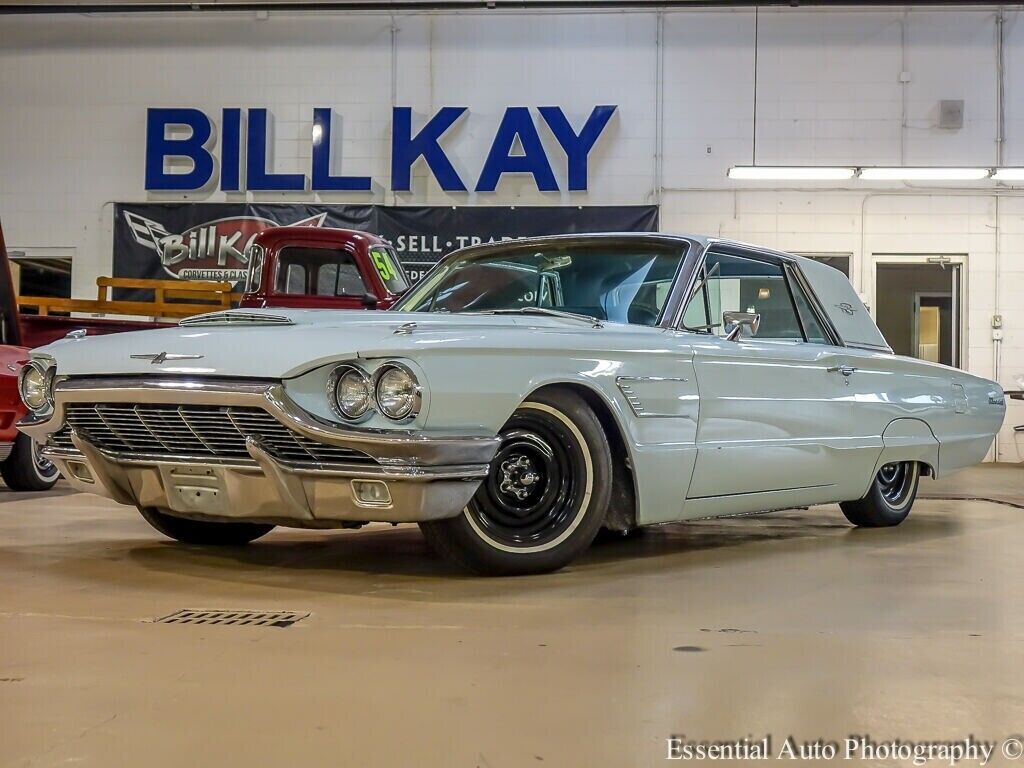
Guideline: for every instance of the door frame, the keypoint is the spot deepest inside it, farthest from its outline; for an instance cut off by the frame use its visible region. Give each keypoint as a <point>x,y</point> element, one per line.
<point>960,291</point>
<point>916,330</point>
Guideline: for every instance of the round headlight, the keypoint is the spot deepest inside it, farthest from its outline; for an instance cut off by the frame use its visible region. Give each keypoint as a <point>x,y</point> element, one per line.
<point>352,392</point>
<point>33,386</point>
<point>398,392</point>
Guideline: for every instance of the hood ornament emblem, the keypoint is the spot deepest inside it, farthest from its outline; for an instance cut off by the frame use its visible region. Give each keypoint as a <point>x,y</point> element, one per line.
<point>163,357</point>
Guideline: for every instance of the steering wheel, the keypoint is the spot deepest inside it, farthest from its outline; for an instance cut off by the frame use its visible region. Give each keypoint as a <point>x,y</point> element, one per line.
<point>642,315</point>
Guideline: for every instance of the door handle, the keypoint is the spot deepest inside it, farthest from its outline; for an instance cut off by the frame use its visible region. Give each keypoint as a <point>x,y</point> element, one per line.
<point>846,370</point>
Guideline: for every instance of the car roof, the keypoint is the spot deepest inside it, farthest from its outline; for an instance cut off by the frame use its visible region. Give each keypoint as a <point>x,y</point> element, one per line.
<point>540,240</point>
<point>701,241</point>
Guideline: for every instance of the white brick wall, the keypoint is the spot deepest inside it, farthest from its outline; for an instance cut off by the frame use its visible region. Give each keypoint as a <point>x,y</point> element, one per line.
<point>74,90</point>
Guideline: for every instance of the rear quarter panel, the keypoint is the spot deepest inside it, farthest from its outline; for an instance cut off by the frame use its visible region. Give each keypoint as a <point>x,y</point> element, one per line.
<point>895,395</point>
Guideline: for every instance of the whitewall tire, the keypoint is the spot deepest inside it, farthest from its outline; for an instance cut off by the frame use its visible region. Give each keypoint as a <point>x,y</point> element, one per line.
<point>545,497</point>
<point>889,499</point>
<point>26,469</point>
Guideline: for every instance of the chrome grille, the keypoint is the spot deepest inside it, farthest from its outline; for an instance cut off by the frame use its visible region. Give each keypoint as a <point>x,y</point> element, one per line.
<point>192,430</point>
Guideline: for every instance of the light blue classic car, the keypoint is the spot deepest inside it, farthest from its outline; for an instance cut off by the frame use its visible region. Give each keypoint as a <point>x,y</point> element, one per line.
<point>521,397</point>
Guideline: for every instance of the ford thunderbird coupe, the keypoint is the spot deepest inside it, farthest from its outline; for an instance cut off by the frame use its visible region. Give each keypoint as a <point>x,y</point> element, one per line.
<point>521,397</point>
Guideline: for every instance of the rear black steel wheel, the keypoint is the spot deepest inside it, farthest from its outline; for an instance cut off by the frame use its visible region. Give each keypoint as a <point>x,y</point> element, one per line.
<point>545,496</point>
<point>889,499</point>
<point>202,531</point>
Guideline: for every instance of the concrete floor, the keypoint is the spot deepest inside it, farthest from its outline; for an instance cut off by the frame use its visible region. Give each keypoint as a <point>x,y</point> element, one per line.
<point>792,623</point>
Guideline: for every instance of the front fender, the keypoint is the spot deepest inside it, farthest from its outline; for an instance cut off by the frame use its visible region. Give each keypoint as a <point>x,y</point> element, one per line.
<point>481,390</point>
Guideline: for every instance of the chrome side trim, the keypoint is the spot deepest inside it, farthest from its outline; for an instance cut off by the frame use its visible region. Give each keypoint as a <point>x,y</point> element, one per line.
<point>870,347</point>
<point>393,448</point>
<point>631,397</point>
<point>624,383</point>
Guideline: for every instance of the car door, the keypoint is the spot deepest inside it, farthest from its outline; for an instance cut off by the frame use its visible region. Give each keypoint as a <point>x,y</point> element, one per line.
<point>772,408</point>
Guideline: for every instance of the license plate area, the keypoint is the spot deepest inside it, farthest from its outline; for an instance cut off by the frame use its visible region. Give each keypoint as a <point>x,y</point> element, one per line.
<point>195,489</point>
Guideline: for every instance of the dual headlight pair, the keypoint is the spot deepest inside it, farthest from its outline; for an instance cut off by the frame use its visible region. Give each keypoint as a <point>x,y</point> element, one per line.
<point>392,389</point>
<point>35,386</point>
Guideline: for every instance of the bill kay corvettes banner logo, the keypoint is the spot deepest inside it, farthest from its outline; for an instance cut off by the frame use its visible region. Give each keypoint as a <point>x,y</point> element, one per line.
<point>213,250</point>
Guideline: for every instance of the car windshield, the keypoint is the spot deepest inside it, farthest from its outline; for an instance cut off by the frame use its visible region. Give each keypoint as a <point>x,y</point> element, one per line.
<point>623,282</point>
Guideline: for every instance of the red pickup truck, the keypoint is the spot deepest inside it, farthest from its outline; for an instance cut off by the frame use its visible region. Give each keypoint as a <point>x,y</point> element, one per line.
<point>288,267</point>
<point>307,267</point>
<point>313,267</point>
<point>21,465</point>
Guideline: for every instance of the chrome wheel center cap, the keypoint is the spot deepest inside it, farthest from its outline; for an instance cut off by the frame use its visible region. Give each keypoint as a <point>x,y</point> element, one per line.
<point>517,477</point>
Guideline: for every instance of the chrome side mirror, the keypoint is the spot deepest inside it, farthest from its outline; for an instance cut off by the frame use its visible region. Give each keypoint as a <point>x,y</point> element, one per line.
<point>735,321</point>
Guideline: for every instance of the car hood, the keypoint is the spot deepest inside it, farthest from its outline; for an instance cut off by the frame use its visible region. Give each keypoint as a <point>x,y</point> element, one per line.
<point>279,344</point>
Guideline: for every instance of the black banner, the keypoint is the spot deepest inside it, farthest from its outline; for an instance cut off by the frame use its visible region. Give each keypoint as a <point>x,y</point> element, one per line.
<point>422,235</point>
<point>207,241</point>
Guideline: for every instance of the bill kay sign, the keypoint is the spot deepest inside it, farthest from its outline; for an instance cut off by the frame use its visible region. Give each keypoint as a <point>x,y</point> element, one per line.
<point>185,137</point>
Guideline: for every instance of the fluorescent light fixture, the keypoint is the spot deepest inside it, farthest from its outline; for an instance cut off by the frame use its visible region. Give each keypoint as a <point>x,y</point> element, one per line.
<point>789,173</point>
<point>1008,174</point>
<point>924,174</point>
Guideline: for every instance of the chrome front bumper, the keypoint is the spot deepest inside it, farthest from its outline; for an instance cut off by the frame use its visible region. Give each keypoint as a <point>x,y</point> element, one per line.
<point>427,476</point>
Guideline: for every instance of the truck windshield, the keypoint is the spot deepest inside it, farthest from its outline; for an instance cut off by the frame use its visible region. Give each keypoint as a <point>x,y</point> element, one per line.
<point>620,282</point>
<point>389,269</point>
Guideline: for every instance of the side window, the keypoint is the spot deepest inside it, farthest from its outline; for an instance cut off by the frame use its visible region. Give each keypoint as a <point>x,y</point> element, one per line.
<point>350,282</point>
<point>295,279</point>
<point>697,315</point>
<point>339,279</point>
<point>326,279</point>
<point>255,273</point>
<point>812,328</point>
<point>738,284</point>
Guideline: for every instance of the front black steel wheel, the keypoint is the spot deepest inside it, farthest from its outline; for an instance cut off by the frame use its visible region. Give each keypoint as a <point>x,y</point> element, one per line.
<point>26,469</point>
<point>890,497</point>
<point>545,496</point>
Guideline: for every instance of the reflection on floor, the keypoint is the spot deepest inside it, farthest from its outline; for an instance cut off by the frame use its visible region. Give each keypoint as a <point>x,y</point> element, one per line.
<point>791,623</point>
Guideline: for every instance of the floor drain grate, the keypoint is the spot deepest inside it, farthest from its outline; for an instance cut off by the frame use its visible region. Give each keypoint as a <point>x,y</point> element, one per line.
<point>234,618</point>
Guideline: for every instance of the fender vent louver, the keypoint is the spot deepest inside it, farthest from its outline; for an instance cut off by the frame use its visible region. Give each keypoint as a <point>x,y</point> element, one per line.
<point>236,318</point>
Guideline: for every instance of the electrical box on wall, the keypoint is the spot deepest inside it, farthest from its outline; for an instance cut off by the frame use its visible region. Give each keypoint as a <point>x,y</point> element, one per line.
<point>951,114</point>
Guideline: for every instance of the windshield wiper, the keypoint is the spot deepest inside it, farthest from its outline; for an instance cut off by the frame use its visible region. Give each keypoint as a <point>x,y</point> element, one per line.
<point>592,321</point>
